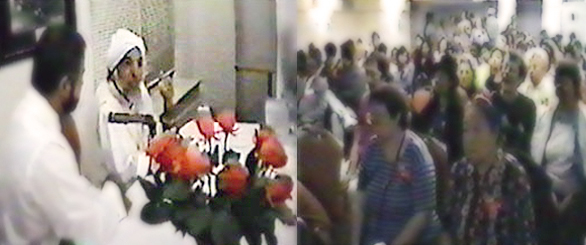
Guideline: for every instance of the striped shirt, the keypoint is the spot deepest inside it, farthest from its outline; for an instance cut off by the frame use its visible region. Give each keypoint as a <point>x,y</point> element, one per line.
<point>396,192</point>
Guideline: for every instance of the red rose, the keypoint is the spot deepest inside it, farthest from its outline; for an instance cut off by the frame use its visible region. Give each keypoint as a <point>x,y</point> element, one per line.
<point>158,145</point>
<point>233,180</point>
<point>192,165</point>
<point>205,125</point>
<point>164,150</point>
<point>263,135</point>
<point>227,120</point>
<point>171,158</point>
<point>279,190</point>
<point>272,153</point>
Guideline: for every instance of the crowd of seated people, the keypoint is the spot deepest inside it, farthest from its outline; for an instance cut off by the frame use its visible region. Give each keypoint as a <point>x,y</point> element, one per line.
<point>470,137</point>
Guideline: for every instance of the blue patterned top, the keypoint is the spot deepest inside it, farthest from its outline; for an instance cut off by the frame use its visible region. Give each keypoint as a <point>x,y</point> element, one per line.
<point>395,192</point>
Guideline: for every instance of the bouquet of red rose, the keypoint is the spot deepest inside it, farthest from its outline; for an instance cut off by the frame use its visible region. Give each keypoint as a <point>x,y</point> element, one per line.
<point>217,202</point>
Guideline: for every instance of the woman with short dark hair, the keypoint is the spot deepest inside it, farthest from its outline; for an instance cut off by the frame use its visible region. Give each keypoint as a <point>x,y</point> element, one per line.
<point>397,176</point>
<point>424,65</point>
<point>405,69</point>
<point>559,145</point>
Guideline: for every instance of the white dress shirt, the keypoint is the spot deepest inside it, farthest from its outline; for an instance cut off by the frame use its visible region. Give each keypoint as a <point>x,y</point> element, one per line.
<point>123,144</point>
<point>43,197</point>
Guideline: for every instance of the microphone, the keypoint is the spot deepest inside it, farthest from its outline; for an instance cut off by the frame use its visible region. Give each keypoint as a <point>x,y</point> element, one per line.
<point>154,83</point>
<point>126,118</point>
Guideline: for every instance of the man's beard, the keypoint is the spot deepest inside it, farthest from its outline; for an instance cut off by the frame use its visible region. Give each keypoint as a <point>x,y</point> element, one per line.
<point>71,103</point>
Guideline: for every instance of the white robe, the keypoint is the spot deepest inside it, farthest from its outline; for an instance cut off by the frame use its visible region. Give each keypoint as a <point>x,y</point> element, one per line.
<point>543,95</point>
<point>43,198</point>
<point>122,144</point>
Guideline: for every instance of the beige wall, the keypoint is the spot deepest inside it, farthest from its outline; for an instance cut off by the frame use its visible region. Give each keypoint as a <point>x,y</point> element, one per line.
<point>333,23</point>
<point>206,49</point>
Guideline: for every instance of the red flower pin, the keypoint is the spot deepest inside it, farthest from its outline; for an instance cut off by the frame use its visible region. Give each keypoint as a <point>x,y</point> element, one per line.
<point>492,207</point>
<point>404,175</point>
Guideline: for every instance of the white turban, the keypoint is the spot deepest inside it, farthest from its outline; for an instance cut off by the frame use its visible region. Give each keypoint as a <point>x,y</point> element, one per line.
<point>122,42</point>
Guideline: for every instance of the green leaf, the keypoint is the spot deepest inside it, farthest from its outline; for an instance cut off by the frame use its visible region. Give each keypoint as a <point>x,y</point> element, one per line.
<point>179,226</point>
<point>151,190</point>
<point>177,190</point>
<point>248,209</point>
<point>230,155</point>
<point>199,199</point>
<point>225,229</point>
<point>157,176</point>
<point>198,220</point>
<point>220,202</point>
<point>214,157</point>
<point>156,212</point>
<point>261,182</point>
<point>251,162</point>
<point>266,222</point>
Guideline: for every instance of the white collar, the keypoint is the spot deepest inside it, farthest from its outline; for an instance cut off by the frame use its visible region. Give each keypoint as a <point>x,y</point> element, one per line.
<point>124,99</point>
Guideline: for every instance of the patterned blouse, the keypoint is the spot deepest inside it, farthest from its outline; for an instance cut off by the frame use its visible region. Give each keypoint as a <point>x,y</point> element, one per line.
<point>492,209</point>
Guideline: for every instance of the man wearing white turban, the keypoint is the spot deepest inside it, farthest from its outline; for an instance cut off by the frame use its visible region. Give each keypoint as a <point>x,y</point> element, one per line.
<point>124,91</point>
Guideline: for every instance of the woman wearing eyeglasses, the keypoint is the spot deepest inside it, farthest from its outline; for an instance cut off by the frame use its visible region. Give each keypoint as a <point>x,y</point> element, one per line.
<point>397,181</point>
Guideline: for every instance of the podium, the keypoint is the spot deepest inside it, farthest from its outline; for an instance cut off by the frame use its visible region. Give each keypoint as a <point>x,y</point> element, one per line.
<point>184,110</point>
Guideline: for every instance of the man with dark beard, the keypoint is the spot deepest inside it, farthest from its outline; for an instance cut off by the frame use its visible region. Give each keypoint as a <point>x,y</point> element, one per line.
<point>43,198</point>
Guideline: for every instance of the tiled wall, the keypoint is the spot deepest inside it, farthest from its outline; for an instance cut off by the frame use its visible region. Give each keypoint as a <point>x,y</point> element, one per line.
<point>151,19</point>
<point>158,30</point>
<point>106,17</point>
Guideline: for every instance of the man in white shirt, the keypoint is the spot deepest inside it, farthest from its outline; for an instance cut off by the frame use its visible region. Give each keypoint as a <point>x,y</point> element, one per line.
<point>43,197</point>
<point>538,84</point>
<point>125,92</point>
